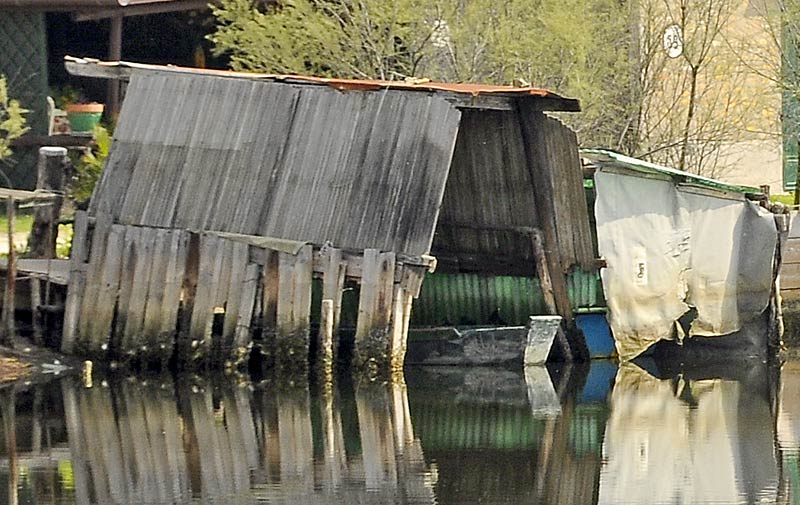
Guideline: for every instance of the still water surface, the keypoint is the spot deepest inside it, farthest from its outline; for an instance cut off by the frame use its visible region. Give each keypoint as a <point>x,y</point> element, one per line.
<point>582,435</point>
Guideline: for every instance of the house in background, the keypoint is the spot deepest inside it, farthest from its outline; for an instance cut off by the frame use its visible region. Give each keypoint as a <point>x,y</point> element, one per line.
<point>35,35</point>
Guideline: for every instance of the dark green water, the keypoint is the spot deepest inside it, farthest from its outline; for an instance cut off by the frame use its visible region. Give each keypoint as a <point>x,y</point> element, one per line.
<point>577,435</point>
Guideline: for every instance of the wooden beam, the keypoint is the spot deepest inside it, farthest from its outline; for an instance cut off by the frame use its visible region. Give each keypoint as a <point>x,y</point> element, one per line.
<point>9,299</point>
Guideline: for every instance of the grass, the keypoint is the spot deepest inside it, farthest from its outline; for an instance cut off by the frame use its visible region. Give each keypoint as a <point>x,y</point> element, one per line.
<point>22,229</point>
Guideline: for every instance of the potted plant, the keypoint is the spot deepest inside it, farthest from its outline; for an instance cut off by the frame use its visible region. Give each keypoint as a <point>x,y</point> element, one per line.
<point>84,117</point>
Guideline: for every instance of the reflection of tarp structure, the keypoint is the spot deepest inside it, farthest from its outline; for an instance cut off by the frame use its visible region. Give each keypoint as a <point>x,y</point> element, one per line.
<point>681,441</point>
<point>670,248</point>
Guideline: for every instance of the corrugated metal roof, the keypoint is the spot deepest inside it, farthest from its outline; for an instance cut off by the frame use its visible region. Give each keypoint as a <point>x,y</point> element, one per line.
<point>605,158</point>
<point>468,89</point>
<point>362,170</point>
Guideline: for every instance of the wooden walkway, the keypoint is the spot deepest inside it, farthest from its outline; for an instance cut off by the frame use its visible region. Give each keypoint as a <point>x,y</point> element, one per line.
<point>55,271</point>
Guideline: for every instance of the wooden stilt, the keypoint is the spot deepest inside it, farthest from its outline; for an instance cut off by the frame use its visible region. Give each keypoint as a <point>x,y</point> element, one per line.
<point>334,270</point>
<point>293,309</point>
<point>373,328</point>
<point>77,278</point>
<point>547,290</point>
<point>325,344</point>
<point>243,337</point>
<point>9,302</point>
<point>36,320</point>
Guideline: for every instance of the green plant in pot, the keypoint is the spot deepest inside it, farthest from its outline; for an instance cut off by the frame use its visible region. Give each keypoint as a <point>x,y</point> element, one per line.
<point>84,117</point>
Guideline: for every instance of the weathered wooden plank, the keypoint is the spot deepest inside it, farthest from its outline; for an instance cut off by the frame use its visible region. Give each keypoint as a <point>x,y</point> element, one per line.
<point>77,280</point>
<point>243,336</point>
<point>188,290</point>
<point>334,271</point>
<point>173,280</point>
<point>790,276</point>
<point>94,272</point>
<point>294,309</point>
<point>129,251</point>
<point>373,333</point>
<point>401,314</point>
<point>236,280</point>
<point>133,341</point>
<point>303,272</point>
<point>155,302</point>
<point>285,299</point>
<point>211,256</point>
<point>368,293</point>
<point>270,289</point>
<point>546,284</point>
<point>36,301</point>
<point>103,313</point>
<point>325,343</point>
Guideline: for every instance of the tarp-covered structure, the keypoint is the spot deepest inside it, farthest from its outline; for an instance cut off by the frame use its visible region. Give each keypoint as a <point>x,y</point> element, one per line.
<point>461,171</point>
<point>686,256</point>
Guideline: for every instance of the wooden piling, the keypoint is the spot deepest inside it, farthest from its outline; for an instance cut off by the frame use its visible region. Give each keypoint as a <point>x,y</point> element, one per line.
<point>243,334</point>
<point>36,320</point>
<point>334,270</point>
<point>50,177</point>
<point>373,328</point>
<point>546,283</point>
<point>9,299</point>
<point>77,279</point>
<point>325,344</point>
<point>293,309</point>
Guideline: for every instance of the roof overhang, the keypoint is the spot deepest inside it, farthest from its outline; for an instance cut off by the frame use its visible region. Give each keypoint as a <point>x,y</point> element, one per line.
<point>88,10</point>
<point>476,96</point>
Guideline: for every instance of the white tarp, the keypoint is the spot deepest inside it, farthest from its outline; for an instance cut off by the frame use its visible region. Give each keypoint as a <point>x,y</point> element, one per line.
<point>671,248</point>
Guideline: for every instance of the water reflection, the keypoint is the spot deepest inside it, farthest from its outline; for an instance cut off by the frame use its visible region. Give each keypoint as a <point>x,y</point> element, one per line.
<point>689,440</point>
<point>441,436</point>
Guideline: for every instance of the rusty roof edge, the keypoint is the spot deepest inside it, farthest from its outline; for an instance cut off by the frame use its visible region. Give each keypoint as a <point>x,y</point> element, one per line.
<point>90,67</point>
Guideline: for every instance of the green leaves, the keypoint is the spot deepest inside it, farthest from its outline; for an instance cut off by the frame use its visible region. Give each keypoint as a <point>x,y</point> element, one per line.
<point>12,120</point>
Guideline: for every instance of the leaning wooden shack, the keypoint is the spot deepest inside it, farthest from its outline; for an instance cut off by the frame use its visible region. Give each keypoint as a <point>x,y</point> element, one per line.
<point>235,202</point>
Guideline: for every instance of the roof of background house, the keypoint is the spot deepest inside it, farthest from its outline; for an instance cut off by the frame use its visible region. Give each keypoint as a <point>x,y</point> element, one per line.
<point>605,158</point>
<point>85,10</point>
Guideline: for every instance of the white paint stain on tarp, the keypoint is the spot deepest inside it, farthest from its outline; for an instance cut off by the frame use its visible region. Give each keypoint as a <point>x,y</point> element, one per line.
<point>670,249</point>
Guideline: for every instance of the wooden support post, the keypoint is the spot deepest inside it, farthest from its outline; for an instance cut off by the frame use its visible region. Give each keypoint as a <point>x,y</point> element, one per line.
<point>243,337</point>
<point>183,345</point>
<point>334,270</point>
<point>325,345</point>
<point>114,54</point>
<point>373,329</point>
<point>36,320</point>
<point>77,278</point>
<point>546,284</point>
<point>50,177</point>
<point>294,309</point>
<point>401,314</point>
<point>9,301</point>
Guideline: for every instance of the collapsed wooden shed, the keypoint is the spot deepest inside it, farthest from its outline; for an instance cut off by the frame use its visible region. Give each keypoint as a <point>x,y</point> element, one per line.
<point>226,195</point>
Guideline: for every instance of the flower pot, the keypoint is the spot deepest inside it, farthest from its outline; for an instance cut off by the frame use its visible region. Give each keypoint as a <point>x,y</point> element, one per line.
<point>83,117</point>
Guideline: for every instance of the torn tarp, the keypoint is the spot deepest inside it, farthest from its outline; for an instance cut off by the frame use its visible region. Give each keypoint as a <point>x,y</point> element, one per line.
<point>672,248</point>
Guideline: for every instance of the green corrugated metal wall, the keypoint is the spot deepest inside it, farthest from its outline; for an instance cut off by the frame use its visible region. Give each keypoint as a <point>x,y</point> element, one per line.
<point>472,299</point>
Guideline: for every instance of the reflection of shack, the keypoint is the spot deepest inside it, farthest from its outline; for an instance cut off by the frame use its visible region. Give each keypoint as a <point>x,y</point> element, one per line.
<point>226,194</point>
<point>686,257</point>
<point>224,443</point>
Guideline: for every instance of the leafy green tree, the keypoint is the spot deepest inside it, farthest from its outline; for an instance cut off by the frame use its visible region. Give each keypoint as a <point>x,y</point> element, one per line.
<point>12,120</point>
<point>576,47</point>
